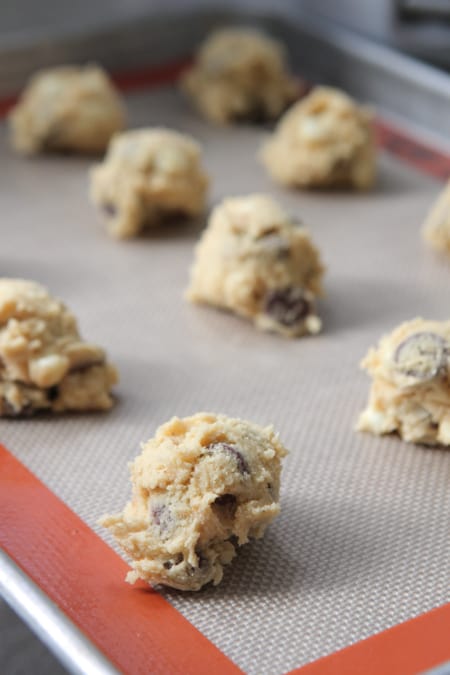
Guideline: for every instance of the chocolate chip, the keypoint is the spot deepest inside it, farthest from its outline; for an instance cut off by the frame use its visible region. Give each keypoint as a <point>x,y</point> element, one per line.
<point>421,356</point>
<point>287,306</point>
<point>225,507</point>
<point>231,450</point>
<point>225,500</point>
<point>53,393</point>
<point>109,210</point>
<point>174,561</point>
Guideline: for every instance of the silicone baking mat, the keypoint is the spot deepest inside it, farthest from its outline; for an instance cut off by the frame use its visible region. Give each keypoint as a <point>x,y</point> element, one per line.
<point>362,542</point>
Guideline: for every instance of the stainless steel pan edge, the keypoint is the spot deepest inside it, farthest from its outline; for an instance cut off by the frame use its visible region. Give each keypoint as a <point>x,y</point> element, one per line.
<point>320,50</point>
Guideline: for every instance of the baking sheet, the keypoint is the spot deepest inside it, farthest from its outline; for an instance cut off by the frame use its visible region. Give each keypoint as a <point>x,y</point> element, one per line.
<point>362,542</point>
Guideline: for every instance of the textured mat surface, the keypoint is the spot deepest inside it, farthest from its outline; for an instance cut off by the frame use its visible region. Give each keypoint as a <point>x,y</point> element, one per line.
<point>362,542</point>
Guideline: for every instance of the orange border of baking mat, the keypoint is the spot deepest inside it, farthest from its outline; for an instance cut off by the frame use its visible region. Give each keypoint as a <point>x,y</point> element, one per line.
<point>136,628</point>
<point>406,649</point>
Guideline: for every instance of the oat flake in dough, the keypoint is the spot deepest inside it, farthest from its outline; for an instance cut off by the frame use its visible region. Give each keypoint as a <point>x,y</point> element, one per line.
<point>202,487</point>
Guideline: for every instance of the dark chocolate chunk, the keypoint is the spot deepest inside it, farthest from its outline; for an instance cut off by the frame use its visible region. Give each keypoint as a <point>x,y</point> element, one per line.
<point>287,306</point>
<point>53,393</point>
<point>226,500</point>
<point>231,450</point>
<point>225,507</point>
<point>421,356</point>
<point>176,560</point>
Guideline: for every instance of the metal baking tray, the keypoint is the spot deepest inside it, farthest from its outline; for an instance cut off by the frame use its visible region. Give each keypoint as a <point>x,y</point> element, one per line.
<point>362,544</point>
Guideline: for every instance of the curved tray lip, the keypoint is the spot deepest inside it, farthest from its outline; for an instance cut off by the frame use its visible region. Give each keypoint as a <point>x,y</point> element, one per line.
<point>324,49</point>
<point>49,623</point>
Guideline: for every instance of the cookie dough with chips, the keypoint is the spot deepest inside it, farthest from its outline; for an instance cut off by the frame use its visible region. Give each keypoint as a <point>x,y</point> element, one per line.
<point>44,363</point>
<point>240,75</point>
<point>147,177</point>
<point>436,230</point>
<point>324,141</point>
<point>410,392</point>
<point>255,260</point>
<point>68,109</point>
<point>202,487</point>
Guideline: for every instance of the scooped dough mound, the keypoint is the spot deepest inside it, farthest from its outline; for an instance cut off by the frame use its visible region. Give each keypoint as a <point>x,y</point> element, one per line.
<point>44,363</point>
<point>324,141</point>
<point>410,392</point>
<point>240,75</point>
<point>147,177</point>
<point>202,487</point>
<point>68,109</point>
<point>255,260</point>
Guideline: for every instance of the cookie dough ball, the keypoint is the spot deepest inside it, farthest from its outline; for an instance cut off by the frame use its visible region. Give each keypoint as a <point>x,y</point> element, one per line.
<point>324,141</point>
<point>68,108</point>
<point>436,230</point>
<point>148,176</point>
<point>44,363</point>
<point>240,75</point>
<point>410,391</point>
<point>202,487</point>
<point>255,260</point>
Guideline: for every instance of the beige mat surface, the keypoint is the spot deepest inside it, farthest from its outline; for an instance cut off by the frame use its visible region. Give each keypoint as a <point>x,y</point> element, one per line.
<point>363,539</point>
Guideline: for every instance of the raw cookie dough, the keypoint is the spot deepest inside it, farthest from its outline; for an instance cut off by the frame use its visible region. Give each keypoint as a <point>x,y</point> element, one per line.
<point>255,260</point>
<point>436,230</point>
<point>44,363</point>
<point>148,176</point>
<point>203,486</point>
<point>240,75</point>
<point>68,108</point>
<point>325,140</point>
<point>410,391</point>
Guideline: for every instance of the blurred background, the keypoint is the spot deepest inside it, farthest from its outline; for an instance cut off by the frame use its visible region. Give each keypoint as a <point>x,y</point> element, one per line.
<point>417,27</point>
